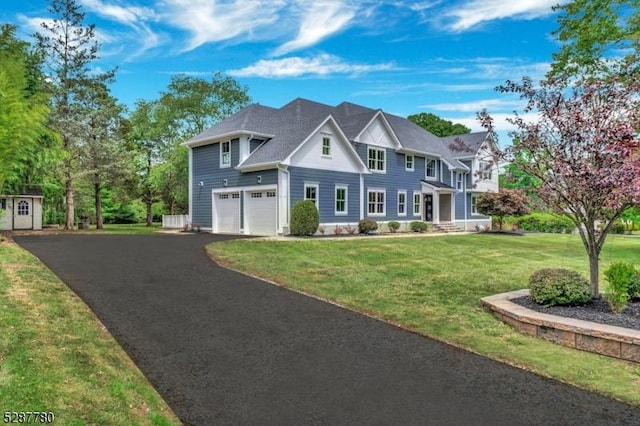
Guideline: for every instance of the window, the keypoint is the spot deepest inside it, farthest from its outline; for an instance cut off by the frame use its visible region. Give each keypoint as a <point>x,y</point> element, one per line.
<point>3,203</point>
<point>430,168</point>
<point>485,170</point>
<point>23,208</point>
<point>311,193</point>
<point>326,146</point>
<point>256,195</point>
<point>376,203</point>
<point>235,195</point>
<point>223,196</point>
<point>417,203</point>
<point>376,159</point>
<point>408,163</point>
<point>459,181</point>
<point>271,194</point>
<point>402,203</point>
<point>225,154</point>
<point>341,200</point>
<point>474,202</point>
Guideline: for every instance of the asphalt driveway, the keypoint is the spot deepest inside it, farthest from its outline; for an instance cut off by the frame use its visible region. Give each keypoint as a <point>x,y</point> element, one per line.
<point>223,348</point>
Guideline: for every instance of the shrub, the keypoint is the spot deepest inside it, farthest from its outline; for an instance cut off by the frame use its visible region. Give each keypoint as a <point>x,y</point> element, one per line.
<point>617,227</point>
<point>350,229</point>
<point>417,226</point>
<point>634,287</point>
<point>620,276</point>
<point>366,226</point>
<point>546,222</point>
<point>393,226</point>
<point>557,286</point>
<point>304,218</point>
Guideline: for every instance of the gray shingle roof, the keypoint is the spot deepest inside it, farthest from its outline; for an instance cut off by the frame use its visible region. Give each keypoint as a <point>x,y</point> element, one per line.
<point>290,125</point>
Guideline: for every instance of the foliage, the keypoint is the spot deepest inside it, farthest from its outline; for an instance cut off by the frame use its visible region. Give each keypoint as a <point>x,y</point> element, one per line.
<point>634,286</point>
<point>366,226</point>
<point>393,226</point>
<point>506,202</point>
<point>558,286</point>
<point>546,222</point>
<point>304,218</point>
<point>418,226</point>
<point>438,126</point>
<point>619,276</point>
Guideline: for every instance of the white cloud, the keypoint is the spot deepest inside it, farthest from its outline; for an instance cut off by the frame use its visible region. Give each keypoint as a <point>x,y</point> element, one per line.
<point>475,106</point>
<point>214,20</point>
<point>321,65</point>
<point>34,25</point>
<point>129,15</point>
<point>472,13</point>
<point>319,20</point>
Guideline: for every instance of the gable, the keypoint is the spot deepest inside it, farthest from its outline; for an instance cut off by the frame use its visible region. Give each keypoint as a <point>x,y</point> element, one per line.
<point>378,133</point>
<point>342,157</point>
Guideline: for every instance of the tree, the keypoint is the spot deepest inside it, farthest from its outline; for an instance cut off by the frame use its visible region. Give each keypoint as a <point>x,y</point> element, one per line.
<point>69,48</point>
<point>594,34</point>
<point>583,150</point>
<point>23,108</point>
<point>506,202</point>
<point>438,126</point>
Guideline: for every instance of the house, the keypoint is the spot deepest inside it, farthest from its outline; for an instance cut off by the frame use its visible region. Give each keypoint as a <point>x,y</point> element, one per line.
<point>22,211</point>
<point>249,170</point>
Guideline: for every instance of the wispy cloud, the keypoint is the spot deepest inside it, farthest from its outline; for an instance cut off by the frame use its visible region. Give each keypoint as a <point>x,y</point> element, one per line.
<point>319,20</point>
<point>475,106</point>
<point>471,13</point>
<point>320,65</point>
<point>128,15</point>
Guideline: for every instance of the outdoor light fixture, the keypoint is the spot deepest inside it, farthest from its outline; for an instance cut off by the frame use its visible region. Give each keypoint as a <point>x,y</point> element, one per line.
<point>201,183</point>
<point>259,179</point>
<point>224,182</point>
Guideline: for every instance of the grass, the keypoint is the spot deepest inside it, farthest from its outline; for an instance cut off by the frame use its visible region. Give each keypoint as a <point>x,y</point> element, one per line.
<point>129,229</point>
<point>432,285</point>
<point>56,357</point>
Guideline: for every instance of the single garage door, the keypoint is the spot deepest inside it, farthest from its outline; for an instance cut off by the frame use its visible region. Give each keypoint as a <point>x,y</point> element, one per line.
<point>227,212</point>
<point>261,212</point>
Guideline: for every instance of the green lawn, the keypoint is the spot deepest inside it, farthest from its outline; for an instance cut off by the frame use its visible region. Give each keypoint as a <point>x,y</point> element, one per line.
<point>56,357</point>
<point>433,285</point>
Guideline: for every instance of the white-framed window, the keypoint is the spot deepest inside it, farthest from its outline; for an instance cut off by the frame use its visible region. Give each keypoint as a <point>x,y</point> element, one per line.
<point>402,203</point>
<point>23,208</point>
<point>225,154</point>
<point>474,203</point>
<point>430,168</point>
<point>375,202</point>
<point>341,200</point>
<point>408,162</point>
<point>311,192</point>
<point>485,170</point>
<point>459,181</point>
<point>271,194</point>
<point>376,158</point>
<point>326,146</point>
<point>417,204</point>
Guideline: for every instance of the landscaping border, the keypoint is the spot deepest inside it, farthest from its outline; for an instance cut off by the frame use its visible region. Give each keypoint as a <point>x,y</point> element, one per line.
<point>616,342</point>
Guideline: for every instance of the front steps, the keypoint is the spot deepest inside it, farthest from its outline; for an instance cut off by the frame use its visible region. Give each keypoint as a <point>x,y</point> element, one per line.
<point>446,227</point>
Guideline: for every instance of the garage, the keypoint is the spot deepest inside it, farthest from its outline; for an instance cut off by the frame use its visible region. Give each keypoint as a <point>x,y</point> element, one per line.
<point>261,212</point>
<point>226,211</point>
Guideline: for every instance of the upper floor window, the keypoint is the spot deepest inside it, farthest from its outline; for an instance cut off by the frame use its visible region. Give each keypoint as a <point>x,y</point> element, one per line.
<point>459,181</point>
<point>485,170</point>
<point>376,159</point>
<point>430,168</point>
<point>326,146</point>
<point>225,154</point>
<point>408,163</point>
<point>311,192</point>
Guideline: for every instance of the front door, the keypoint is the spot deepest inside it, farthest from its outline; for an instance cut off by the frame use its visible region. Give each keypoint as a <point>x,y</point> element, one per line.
<point>23,213</point>
<point>428,207</point>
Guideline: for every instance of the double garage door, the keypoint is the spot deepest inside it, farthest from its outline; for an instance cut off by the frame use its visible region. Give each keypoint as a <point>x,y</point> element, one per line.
<point>259,207</point>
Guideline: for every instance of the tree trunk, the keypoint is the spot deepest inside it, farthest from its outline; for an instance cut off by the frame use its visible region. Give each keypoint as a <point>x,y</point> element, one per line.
<point>70,216</point>
<point>149,213</point>
<point>97,190</point>
<point>593,274</point>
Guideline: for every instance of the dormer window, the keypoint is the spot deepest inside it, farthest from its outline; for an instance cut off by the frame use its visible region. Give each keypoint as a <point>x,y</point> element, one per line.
<point>430,169</point>
<point>485,170</point>
<point>326,146</point>
<point>225,154</point>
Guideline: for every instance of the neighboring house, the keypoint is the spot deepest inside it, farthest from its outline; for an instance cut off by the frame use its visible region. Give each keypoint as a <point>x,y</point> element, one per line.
<point>22,211</point>
<point>249,170</point>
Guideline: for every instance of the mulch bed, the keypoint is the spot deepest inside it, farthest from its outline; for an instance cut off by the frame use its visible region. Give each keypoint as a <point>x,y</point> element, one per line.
<point>596,310</point>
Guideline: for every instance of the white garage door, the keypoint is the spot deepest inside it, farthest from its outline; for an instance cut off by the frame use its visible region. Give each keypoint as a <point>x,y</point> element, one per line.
<point>261,212</point>
<point>227,212</point>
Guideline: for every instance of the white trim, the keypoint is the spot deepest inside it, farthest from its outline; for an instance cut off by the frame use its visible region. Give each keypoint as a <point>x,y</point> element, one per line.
<point>326,137</point>
<point>224,165</point>
<point>210,140</point>
<point>362,200</point>
<point>384,164</point>
<point>413,162</point>
<point>402,192</point>
<point>435,169</point>
<point>315,185</point>
<point>346,200</point>
<point>386,124</point>
<point>376,202</point>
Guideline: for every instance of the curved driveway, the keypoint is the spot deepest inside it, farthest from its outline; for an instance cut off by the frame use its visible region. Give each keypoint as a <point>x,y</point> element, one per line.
<point>223,348</point>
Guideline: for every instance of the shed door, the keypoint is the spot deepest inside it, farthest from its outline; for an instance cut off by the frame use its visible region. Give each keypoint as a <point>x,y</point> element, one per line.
<point>23,213</point>
<point>227,212</point>
<point>261,212</point>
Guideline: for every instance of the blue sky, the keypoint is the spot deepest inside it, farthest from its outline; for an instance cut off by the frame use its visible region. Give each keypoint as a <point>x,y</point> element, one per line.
<point>405,57</point>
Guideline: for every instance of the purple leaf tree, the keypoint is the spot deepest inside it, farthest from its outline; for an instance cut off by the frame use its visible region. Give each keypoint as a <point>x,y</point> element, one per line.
<point>583,150</point>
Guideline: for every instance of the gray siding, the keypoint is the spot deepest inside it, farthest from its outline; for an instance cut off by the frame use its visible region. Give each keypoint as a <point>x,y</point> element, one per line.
<point>206,169</point>
<point>327,181</point>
